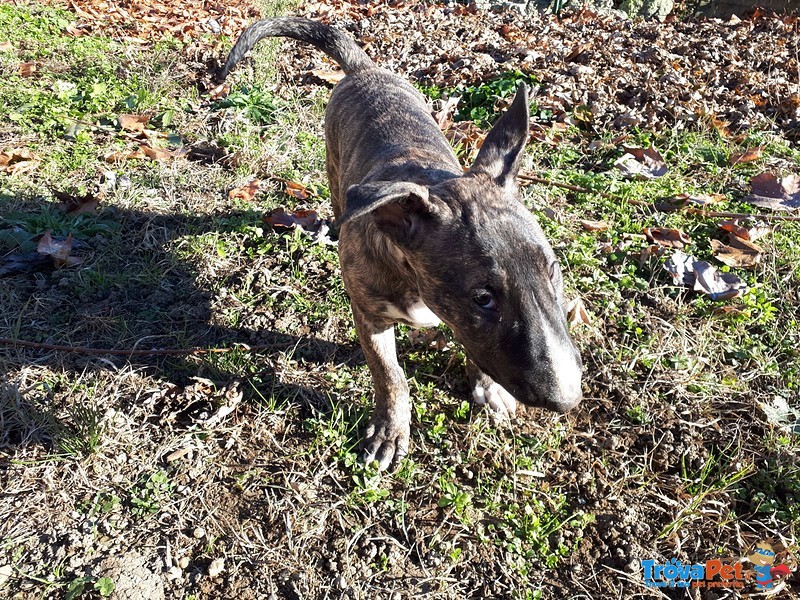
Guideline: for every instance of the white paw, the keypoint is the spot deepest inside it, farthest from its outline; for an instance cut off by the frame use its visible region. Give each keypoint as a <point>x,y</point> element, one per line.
<point>499,401</point>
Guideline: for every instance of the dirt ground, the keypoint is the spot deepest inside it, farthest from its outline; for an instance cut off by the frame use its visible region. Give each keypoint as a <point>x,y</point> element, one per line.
<point>233,475</point>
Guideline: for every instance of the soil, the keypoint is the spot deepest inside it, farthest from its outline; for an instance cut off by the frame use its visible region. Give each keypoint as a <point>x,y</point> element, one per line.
<point>258,501</point>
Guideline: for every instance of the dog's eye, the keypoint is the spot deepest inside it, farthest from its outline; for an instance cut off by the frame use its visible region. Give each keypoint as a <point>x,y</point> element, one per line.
<point>485,300</point>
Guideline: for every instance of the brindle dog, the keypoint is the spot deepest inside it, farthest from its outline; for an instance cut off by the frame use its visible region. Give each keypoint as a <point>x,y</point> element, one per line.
<point>420,241</point>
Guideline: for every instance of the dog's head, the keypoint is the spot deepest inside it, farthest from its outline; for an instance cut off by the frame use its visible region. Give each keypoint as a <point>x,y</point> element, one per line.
<point>484,266</point>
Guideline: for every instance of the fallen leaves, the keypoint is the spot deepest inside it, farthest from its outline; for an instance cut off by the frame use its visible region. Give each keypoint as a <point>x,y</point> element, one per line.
<point>17,160</point>
<point>331,77</point>
<point>770,191</point>
<point>577,314</point>
<point>703,277</point>
<point>58,250</point>
<point>740,254</point>
<point>246,191</point>
<point>133,123</point>
<point>138,21</point>
<point>73,204</point>
<point>304,220</point>
<point>49,252</point>
<point>591,225</point>
<point>296,190</point>
<point>642,163</point>
<point>740,251</point>
<point>752,233</point>
<point>748,155</point>
<point>143,152</point>
<point>664,236</point>
<point>26,69</point>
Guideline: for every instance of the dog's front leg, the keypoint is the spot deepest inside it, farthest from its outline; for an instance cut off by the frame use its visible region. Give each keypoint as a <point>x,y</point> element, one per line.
<point>487,392</point>
<point>389,429</point>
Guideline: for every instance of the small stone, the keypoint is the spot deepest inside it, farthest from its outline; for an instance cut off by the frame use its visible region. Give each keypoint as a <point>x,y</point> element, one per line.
<point>183,562</point>
<point>199,533</point>
<point>342,582</point>
<point>216,567</point>
<point>6,571</point>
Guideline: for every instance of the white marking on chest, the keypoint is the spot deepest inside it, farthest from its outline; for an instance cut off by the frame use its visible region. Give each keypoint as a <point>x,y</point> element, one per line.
<point>416,315</point>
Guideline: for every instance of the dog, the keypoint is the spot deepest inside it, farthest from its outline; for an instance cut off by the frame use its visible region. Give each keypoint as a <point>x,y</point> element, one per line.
<point>421,242</point>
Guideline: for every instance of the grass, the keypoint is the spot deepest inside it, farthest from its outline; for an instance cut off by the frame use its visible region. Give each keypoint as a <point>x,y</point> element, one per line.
<point>186,459</point>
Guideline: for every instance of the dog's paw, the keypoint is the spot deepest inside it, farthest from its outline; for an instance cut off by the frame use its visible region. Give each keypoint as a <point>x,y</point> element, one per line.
<point>502,404</point>
<point>386,440</point>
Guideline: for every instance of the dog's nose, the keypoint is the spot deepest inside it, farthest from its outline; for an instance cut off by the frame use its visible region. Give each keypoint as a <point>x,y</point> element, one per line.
<point>566,403</point>
<point>567,370</point>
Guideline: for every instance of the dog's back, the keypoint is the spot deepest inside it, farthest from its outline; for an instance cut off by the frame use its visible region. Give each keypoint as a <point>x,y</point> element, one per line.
<point>378,126</point>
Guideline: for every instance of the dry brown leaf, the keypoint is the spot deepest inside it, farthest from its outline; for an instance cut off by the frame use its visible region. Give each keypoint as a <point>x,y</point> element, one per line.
<point>467,134</point>
<point>722,127</point>
<point>735,228</point>
<point>133,123</point>
<point>727,310</point>
<point>155,153</point>
<point>17,160</point>
<point>26,69</point>
<point>748,155</point>
<point>332,77</point>
<point>57,250</point>
<point>577,52</point>
<point>444,115</point>
<point>590,225</point>
<point>641,163</point>
<point>245,192</point>
<point>774,193</point>
<point>664,236</point>
<point>577,314</point>
<point>219,91</point>
<point>77,205</point>
<point>741,256</point>
<point>278,217</point>
<point>296,190</point>
<point>113,157</point>
<point>744,245</point>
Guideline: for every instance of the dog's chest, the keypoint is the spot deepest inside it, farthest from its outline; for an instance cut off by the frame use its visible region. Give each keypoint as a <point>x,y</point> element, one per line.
<point>416,314</point>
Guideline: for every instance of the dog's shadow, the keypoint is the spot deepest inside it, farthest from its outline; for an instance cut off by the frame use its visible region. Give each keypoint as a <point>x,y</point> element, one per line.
<point>136,290</point>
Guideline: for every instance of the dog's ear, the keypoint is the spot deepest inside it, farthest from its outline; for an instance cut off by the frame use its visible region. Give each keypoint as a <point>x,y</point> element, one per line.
<point>501,154</point>
<point>399,208</point>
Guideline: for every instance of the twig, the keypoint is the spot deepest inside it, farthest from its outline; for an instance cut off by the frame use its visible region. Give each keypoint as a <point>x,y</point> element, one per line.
<point>695,211</point>
<point>130,352</point>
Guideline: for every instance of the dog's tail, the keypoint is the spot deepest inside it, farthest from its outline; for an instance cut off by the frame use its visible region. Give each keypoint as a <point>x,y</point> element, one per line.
<point>331,41</point>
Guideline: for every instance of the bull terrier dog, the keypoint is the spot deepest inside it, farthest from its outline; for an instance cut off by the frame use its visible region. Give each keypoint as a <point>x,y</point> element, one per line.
<point>421,241</point>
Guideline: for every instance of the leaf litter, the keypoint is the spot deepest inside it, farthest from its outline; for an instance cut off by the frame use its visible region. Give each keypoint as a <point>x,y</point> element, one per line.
<point>703,277</point>
<point>642,163</point>
<point>775,193</point>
